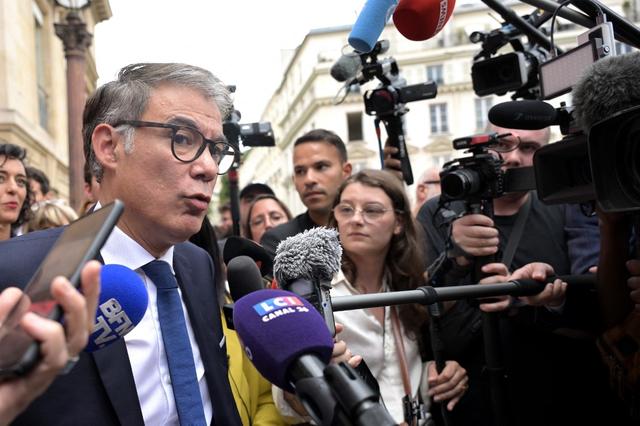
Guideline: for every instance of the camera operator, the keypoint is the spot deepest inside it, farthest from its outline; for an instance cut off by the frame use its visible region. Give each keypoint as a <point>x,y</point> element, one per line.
<point>542,366</point>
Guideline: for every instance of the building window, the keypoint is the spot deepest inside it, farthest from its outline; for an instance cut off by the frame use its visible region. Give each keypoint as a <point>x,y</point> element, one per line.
<point>482,111</point>
<point>354,126</point>
<point>434,73</point>
<point>43,110</point>
<point>439,120</point>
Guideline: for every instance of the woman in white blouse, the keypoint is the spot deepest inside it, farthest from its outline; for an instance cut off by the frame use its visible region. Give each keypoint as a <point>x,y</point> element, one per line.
<point>382,253</point>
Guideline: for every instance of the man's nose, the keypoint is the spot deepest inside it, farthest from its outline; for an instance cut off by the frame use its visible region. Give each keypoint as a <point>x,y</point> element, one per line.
<point>205,167</point>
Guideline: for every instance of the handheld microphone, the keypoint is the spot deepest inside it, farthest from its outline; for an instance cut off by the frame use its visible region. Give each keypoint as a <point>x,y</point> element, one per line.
<point>238,246</point>
<point>243,277</point>
<point>122,304</point>
<point>306,263</point>
<point>419,20</point>
<point>525,115</point>
<point>283,335</point>
<point>289,344</point>
<point>346,67</point>
<point>370,23</point>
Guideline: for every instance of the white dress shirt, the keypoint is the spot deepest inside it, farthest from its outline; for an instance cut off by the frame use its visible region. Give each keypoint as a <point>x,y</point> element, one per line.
<point>365,336</point>
<point>144,343</point>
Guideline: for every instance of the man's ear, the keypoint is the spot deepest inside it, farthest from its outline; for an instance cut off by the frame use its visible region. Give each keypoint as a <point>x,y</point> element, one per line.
<point>104,141</point>
<point>346,169</point>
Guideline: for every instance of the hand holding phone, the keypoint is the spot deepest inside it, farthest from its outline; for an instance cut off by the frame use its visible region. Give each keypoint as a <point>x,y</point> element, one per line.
<point>78,243</point>
<point>55,348</point>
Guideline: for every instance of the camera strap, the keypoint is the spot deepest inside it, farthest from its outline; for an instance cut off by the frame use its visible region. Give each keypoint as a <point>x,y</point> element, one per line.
<point>516,233</point>
<point>413,409</point>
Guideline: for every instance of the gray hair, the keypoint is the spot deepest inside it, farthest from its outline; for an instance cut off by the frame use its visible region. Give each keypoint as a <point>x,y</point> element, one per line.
<point>127,98</point>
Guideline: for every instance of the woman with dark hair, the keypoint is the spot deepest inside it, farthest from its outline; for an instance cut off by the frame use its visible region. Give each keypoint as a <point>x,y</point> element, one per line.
<point>382,253</point>
<point>15,197</point>
<point>266,212</point>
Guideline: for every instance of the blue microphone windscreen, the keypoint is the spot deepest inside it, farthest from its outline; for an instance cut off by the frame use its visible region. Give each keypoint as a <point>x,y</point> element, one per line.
<point>276,327</point>
<point>122,304</point>
<point>370,23</point>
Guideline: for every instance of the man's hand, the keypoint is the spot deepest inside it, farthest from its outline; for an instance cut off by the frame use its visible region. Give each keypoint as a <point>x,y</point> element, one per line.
<point>449,385</point>
<point>475,235</point>
<point>55,349</point>
<point>633,266</point>
<point>391,164</point>
<point>553,294</point>
<point>498,273</point>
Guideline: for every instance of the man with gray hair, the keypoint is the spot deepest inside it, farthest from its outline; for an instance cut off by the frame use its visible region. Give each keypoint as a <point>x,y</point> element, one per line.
<point>153,139</point>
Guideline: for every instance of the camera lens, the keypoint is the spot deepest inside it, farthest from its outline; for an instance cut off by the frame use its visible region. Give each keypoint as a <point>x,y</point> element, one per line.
<point>460,183</point>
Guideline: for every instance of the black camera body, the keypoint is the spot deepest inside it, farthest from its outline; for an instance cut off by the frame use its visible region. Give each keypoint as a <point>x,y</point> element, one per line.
<point>476,178</point>
<point>250,134</point>
<point>390,99</point>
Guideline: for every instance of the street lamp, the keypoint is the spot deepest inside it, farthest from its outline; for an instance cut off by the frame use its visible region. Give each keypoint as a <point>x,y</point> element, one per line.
<point>76,39</point>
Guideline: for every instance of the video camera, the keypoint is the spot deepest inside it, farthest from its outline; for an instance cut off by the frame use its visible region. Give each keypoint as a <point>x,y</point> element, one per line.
<point>515,71</point>
<point>250,134</point>
<point>388,101</point>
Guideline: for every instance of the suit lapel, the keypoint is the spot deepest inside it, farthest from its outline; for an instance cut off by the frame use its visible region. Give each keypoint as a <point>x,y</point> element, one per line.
<point>114,369</point>
<point>198,291</point>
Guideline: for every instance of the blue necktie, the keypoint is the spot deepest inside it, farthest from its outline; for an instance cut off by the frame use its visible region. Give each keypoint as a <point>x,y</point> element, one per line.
<point>184,381</point>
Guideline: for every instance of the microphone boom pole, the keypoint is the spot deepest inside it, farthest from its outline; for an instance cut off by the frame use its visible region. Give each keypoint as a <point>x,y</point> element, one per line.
<point>427,295</point>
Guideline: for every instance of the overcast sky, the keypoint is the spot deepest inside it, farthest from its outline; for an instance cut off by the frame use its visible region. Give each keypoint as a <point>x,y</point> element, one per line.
<point>238,40</point>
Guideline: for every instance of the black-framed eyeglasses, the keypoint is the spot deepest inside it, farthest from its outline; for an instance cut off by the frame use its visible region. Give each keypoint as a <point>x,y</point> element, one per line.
<point>187,144</point>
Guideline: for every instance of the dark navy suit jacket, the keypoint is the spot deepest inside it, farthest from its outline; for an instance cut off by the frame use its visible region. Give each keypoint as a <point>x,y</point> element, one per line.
<point>100,390</point>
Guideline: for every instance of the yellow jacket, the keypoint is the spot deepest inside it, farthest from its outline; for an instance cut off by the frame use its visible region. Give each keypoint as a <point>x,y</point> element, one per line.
<point>251,391</point>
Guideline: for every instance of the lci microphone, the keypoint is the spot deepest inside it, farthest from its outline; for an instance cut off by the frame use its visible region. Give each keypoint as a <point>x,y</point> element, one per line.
<point>122,304</point>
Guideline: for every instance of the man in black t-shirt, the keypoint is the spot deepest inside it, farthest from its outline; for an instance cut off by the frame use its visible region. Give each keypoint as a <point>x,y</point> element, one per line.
<point>543,364</point>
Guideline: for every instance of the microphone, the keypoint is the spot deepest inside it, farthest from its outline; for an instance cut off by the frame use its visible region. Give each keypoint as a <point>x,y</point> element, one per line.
<point>346,67</point>
<point>525,115</point>
<point>122,304</point>
<point>607,106</point>
<point>419,20</point>
<point>370,23</point>
<point>283,335</point>
<point>608,86</point>
<point>243,277</point>
<point>238,246</point>
<point>289,344</point>
<point>306,263</point>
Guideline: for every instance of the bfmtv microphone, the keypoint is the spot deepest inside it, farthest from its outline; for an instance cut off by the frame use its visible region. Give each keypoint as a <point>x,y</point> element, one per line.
<point>122,304</point>
<point>419,20</point>
<point>306,263</point>
<point>370,23</point>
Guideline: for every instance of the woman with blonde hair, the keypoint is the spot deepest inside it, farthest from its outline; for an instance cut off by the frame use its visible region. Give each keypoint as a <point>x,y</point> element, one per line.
<point>50,214</point>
